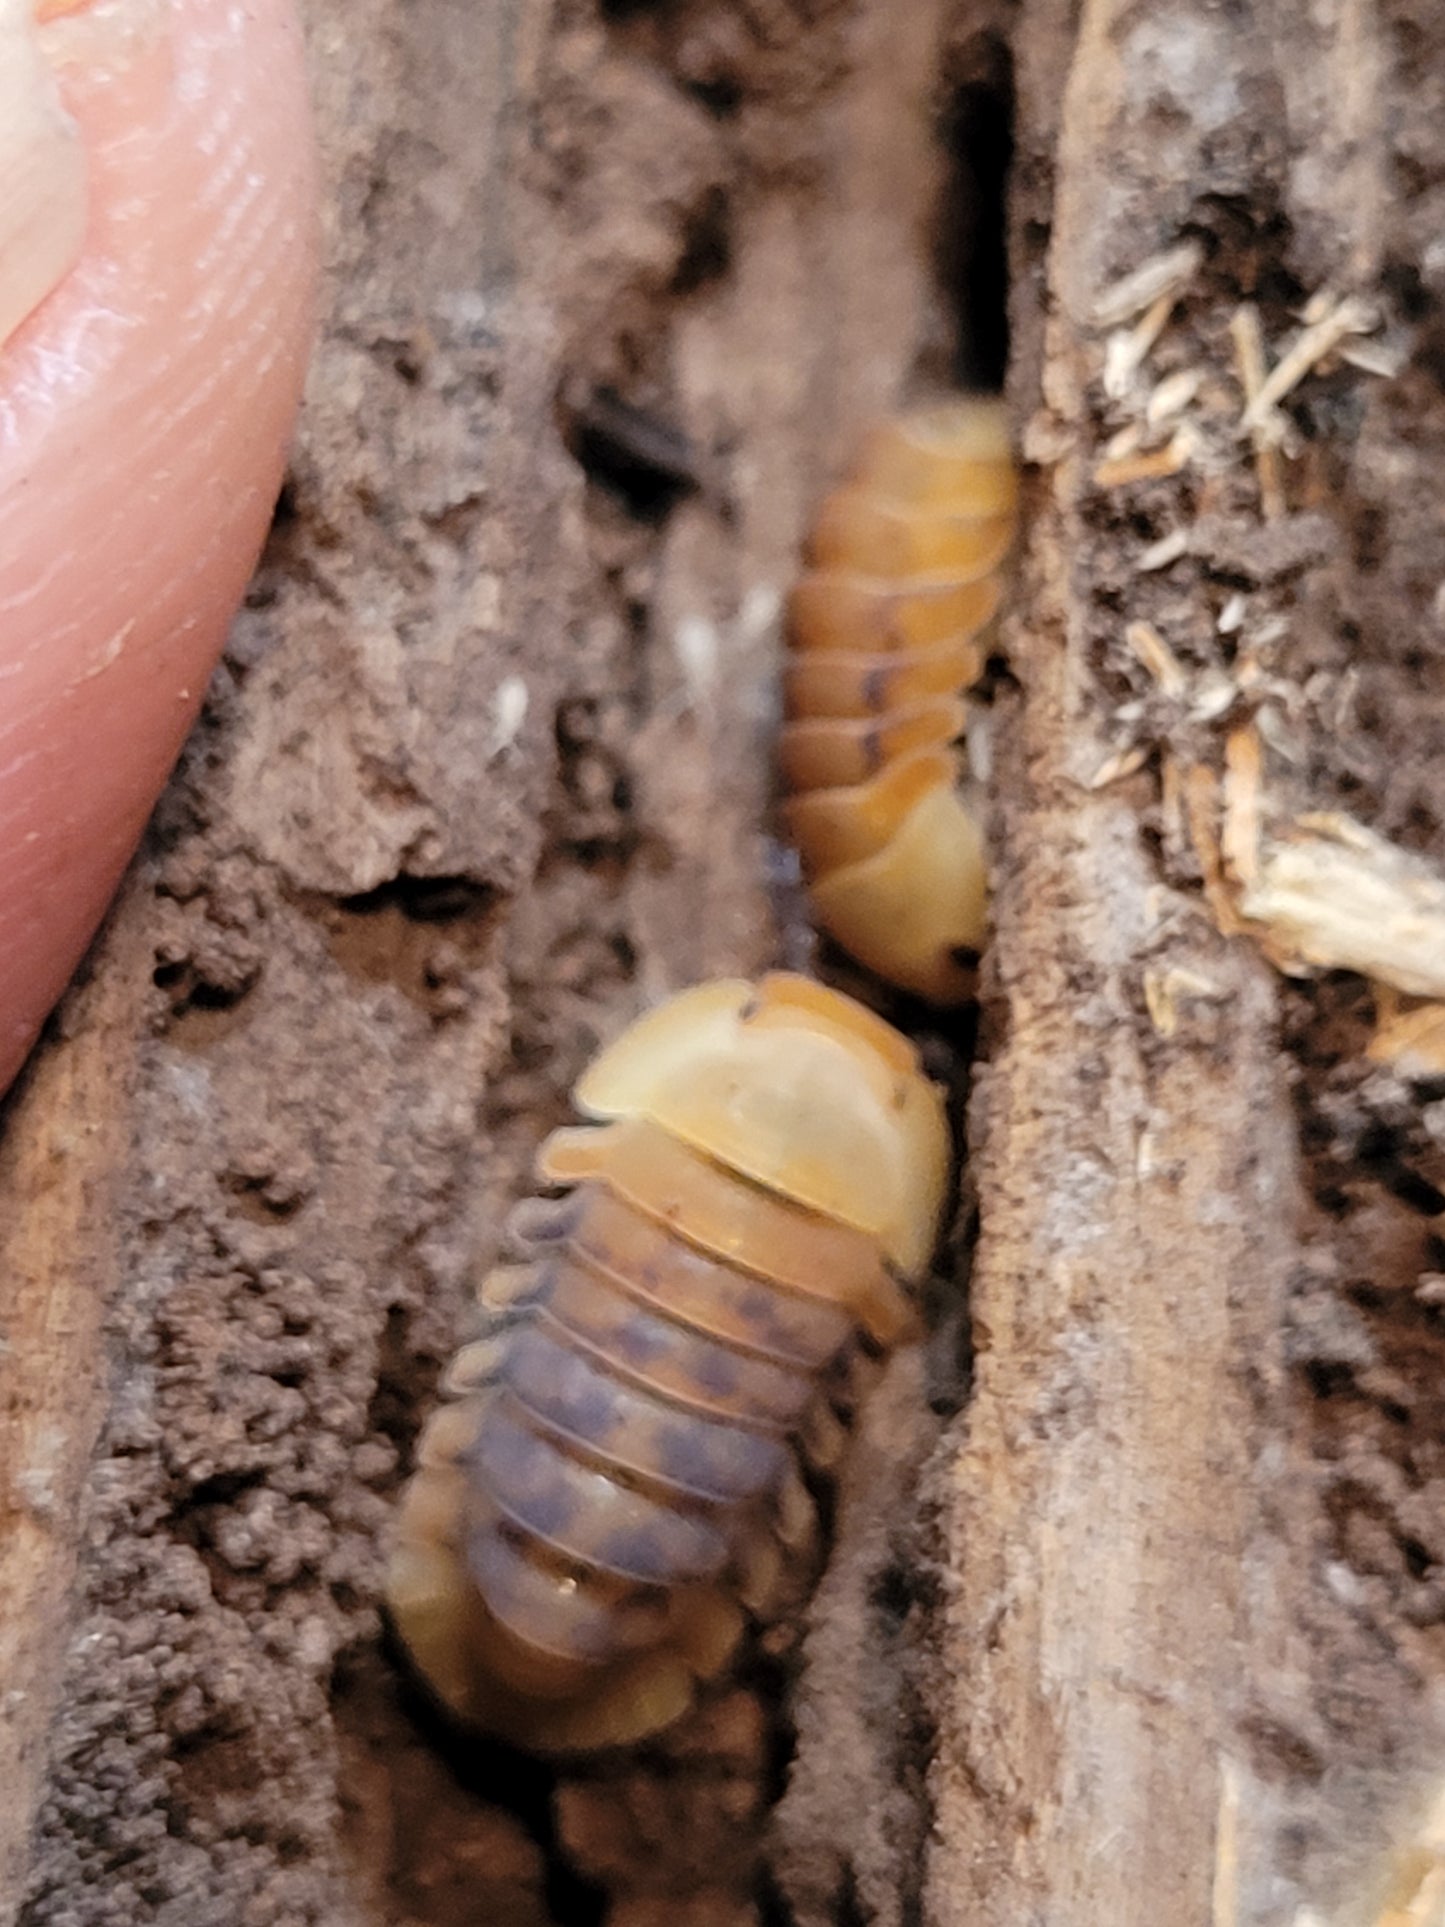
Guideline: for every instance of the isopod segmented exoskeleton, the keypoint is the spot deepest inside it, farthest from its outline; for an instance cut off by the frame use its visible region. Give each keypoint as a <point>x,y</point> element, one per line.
<point>884,632</point>
<point>614,1486</point>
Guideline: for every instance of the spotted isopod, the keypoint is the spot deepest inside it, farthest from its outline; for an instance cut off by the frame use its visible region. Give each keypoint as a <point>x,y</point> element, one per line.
<point>884,632</point>
<point>614,1486</point>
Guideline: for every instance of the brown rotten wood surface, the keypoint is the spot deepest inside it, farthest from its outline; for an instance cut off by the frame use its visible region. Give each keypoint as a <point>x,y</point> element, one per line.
<point>1145,1658</point>
<point>1169,1651</point>
<point>1143,1624</point>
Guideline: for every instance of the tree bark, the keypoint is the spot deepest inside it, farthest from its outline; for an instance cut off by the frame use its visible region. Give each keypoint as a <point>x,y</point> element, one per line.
<point>487,768</point>
<point>1151,1678</point>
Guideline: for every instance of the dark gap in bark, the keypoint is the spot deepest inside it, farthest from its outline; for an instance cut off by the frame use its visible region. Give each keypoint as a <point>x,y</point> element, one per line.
<point>947,1050</point>
<point>633,452</point>
<point>971,251</point>
<point>572,1898</point>
<point>722,96</point>
<point>395,1411</point>
<point>773,1909</point>
<point>287,510</point>
<point>850,1905</point>
<point>707,253</point>
<point>1249,247</point>
<point>971,268</point>
<point>630,9</point>
<point>424,899</point>
<point>1417,1192</point>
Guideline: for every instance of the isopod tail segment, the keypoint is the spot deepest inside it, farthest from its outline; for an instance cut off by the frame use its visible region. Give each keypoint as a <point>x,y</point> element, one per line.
<point>885,630</point>
<point>614,1487</point>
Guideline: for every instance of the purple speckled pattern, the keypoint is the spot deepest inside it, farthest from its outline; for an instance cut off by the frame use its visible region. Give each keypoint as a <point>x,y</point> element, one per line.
<point>639,1426</point>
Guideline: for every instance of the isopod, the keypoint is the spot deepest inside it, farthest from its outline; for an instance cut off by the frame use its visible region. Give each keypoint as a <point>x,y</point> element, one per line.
<point>884,631</point>
<point>615,1483</point>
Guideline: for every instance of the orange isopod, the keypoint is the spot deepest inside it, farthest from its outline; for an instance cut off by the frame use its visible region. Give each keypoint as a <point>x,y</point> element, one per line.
<point>615,1484</point>
<point>884,632</point>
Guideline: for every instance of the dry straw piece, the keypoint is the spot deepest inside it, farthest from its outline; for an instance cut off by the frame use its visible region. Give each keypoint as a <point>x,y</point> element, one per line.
<point>1410,1037</point>
<point>1332,895</point>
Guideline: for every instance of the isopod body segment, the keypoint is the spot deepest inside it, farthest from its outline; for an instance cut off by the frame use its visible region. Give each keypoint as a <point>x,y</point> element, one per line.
<point>614,1485</point>
<point>884,634</point>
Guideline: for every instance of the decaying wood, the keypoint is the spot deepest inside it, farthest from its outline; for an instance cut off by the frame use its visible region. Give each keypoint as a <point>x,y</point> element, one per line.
<point>1128,1664</point>
<point>62,1157</point>
<point>486,770</point>
<point>1141,1625</point>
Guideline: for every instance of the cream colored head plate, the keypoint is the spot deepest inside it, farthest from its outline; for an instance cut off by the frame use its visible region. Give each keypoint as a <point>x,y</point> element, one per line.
<point>798,1088</point>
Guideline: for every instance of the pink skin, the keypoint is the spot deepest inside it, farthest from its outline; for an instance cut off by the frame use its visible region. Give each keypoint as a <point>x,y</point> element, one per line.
<point>145,409</point>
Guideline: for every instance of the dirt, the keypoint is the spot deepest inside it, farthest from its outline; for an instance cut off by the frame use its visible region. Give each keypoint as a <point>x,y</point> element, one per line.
<point>487,769</point>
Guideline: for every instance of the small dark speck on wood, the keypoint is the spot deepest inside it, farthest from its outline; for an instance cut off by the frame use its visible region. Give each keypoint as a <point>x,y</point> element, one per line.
<point>647,461</point>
